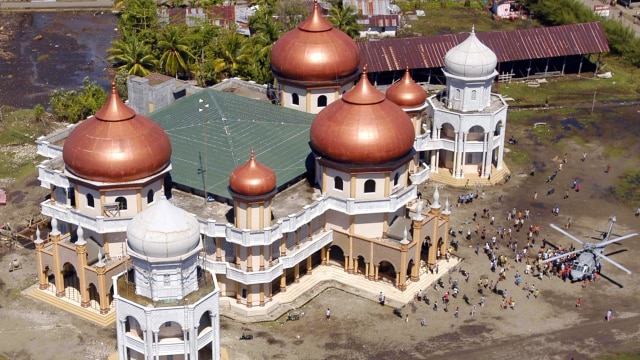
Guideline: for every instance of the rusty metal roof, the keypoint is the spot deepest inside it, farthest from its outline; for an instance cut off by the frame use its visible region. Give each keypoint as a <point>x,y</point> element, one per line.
<point>429,51</point>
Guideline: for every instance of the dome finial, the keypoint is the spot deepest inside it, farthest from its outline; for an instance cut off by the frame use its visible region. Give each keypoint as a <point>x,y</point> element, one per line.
<point>364,71</point>
<point>473,28</point>
<point>253,154</point>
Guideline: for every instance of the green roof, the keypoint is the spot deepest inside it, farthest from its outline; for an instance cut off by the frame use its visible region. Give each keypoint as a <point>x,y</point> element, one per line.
<point>220,138</point>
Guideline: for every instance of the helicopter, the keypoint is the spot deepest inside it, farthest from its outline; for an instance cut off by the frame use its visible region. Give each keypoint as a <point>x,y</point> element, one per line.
<point>591,253</point>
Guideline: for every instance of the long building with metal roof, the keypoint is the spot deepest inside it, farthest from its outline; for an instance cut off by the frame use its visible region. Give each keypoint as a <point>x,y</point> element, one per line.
<point>509,46</point>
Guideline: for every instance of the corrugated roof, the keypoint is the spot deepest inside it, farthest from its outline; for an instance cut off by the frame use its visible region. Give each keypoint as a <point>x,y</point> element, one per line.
<point>429,51</point>
<point>230,127</point>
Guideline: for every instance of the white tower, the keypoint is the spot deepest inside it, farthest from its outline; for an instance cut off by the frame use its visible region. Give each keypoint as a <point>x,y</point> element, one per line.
<point>468,120</point>
<point>166,305</point>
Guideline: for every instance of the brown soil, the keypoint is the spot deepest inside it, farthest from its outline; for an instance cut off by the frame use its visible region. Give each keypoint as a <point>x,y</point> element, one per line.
<point>550,327</point>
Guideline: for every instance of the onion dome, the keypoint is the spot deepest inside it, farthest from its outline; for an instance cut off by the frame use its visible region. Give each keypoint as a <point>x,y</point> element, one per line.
<point>362,128</point>
<point>471,58</point>
<point>163,231</point>
<point>406,93</point>
<point>252,178</point>
<point>315,51</point>
<point>116,145</point>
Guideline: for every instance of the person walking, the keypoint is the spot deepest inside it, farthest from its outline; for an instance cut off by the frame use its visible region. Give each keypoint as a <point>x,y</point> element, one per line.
<point>579,302</point>
<point>473,310</point>
<point>381,298</point>
<point>328,314</point>
<point>423,322</point>
<point>608,315</point>
<point>457,313</point>
<point>406,318</point>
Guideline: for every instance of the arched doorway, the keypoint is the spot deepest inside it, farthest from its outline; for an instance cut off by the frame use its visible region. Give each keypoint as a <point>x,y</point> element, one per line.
<point>336,256</point>
<point>94,297</point>
<point>170,330</point>
<point>424,252</point>
<point>360,267</point>
<point>410,266</point>
<point>387,272</point>
<point>71,282</point>
<point>204,323</point>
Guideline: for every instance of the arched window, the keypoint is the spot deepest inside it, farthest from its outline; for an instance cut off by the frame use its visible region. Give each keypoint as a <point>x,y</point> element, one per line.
<point>90,201</point>
<point>338,184</point>
<point>122,201</point>
<point>369,186</point>
<point>322,101</point>
<point>295,99</point>
<point>396,179</point>
<point>473,95</point>
<point>150,196</point>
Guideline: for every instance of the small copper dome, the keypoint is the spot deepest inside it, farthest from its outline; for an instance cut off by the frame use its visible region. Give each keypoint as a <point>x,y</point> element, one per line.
<point>116,145</point>
<point>362,128</point>
<point>252,178</point>
<point>315,51</point>
<point>406,93</point>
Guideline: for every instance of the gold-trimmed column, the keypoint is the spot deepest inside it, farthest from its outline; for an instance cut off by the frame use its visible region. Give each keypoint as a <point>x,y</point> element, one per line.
<point>54,235</point>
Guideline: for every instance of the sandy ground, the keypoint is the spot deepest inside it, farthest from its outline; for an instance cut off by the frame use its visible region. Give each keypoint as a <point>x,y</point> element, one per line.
<point>550,327</point>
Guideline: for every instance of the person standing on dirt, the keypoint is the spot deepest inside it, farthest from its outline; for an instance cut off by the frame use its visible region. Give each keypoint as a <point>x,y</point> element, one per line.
<point>608,315</point>
<point>381,298</point>
<point>328,314</point>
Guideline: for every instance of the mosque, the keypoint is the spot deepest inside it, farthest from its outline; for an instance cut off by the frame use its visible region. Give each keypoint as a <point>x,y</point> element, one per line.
<point>126,244</point>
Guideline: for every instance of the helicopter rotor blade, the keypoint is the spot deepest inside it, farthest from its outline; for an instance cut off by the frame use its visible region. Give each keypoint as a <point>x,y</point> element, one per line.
<point>567,234</point>
<point>613,263</point>
<point>561,256</point>
<point>610,241</point>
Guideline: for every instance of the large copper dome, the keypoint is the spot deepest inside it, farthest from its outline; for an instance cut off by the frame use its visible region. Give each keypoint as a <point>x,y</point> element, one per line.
<point>406,93</point>
<point>363,127</point>
<point>315,51</point>
<point>252,178</point>
<point>116,145</point>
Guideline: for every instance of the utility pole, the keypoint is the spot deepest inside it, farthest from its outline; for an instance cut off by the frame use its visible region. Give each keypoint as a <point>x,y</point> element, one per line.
<point>203,165</point>
<point>593,103</point>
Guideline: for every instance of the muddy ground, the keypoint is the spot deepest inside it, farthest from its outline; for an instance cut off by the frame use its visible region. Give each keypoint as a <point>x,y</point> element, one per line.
<point>44,51</point>
<point>550,327</point>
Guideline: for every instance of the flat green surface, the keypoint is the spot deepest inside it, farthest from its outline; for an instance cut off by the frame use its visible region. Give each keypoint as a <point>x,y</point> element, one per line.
<point>220,138</point>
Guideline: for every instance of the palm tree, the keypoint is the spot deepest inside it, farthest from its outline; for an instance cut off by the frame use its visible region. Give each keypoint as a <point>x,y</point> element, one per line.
<point>256,50</point>
<point>133,56</point>
<point>345,18</point>
<point>174,46</point>
<point>229,50</point>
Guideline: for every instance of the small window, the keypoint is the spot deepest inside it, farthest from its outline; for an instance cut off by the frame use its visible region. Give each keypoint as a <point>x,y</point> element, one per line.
<point>122,201</point>
<point>322,101</point>
<point>473,95</point>
<point>396,179</point>
<point>167,280</point>
<point>150,196</point>
<point>90,201</point>
<point>369,186</point>
<point>457,94</point>
<point>338,184</point>
<point>295,99</point>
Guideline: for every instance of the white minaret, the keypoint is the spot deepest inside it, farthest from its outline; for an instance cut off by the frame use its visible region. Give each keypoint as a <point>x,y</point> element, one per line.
<point>172,306</point>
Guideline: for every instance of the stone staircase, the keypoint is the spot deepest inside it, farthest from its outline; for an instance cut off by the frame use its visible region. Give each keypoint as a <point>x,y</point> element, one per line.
<point>471,180</point>
<point>67,305</point>
<point>325,277</point>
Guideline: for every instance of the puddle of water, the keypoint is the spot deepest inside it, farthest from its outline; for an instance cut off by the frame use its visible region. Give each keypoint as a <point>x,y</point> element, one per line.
<point>571,123</point>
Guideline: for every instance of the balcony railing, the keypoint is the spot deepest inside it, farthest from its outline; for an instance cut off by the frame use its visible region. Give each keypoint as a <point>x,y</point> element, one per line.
<point>99,224</point>
<point>421,175</point>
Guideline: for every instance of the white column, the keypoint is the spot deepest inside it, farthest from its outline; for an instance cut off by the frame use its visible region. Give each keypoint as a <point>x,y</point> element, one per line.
<point>485,147</point>
<point>155,343</point>
<point>122,337</point>
<point>185,341</point>
<point>501,147</point>
<point>456,146</point>
<point>463,158</point>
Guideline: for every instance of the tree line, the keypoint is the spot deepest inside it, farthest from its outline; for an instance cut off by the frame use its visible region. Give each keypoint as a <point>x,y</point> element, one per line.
<point>209,53</point>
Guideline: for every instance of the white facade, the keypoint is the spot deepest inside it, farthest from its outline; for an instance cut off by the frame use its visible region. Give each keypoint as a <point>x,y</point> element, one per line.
<point>467,122</point>
<point>309,99</point>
